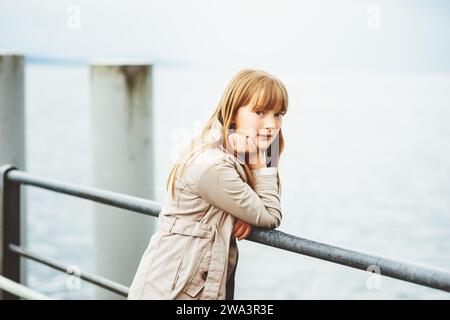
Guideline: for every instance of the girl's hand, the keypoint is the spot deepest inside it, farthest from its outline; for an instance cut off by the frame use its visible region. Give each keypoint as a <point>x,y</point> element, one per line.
<point>241,143</point>
<point>241,229</point>
<point>242,147</point>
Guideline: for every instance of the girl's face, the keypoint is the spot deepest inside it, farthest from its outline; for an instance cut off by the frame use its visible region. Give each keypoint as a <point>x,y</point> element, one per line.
<point>262,126</point>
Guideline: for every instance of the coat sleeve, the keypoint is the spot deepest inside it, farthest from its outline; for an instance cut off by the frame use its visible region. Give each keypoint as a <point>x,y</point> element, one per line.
<point>221,185</point>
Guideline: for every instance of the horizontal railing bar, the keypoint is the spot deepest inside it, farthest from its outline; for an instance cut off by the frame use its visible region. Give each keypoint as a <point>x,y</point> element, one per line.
<point>394,268</point>
<point>20,290</point>
<point>89,277</point>
<point>115,199</point>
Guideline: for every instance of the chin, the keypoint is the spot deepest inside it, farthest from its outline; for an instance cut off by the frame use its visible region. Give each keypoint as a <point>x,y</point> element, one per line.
<point>264,145</point>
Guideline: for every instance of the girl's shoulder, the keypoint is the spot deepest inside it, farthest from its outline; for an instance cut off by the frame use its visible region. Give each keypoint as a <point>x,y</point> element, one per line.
<point>210,159</point>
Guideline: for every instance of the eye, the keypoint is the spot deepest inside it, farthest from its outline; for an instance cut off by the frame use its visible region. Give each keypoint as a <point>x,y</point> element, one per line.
<point>279,114</point>
<point>259,112</point>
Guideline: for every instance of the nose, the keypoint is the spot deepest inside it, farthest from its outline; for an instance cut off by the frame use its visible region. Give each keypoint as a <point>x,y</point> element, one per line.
<point>270,123</point>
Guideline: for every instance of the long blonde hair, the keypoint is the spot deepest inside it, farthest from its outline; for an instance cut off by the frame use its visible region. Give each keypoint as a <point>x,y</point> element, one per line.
<point>239,92</point>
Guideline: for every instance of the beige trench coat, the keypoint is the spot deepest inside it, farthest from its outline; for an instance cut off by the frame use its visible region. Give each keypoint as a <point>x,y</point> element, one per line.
<point>192,255</point>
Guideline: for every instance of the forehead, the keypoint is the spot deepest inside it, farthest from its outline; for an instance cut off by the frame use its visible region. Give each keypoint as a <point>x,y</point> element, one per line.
<point>273,101</point>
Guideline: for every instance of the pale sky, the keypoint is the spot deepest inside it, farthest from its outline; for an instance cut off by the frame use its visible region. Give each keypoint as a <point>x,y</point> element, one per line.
<point>388,35</point>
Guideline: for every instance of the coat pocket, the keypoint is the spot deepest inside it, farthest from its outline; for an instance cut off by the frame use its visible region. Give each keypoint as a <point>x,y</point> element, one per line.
<point>198,278</point>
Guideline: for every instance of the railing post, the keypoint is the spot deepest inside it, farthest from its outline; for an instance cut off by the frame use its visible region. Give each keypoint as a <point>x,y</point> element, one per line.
<point>10,229</point>
<point>12,132</point>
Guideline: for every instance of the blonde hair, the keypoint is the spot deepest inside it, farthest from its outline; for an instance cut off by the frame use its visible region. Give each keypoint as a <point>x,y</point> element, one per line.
<point>240,91</point>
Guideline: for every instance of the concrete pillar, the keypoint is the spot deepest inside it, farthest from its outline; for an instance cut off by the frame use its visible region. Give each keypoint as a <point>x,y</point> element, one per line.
<point>12,110</point>
<point>122,142</point>
<point>12,127</point>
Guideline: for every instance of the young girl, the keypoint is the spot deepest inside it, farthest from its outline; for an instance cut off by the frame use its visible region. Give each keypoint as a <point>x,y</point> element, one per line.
<point>226,182</point>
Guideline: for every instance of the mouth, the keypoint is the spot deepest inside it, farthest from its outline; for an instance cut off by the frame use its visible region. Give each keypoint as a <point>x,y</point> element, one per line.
<point>265,136</point>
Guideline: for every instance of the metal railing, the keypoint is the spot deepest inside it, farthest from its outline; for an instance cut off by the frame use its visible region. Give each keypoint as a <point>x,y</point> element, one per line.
<point>12,251</point>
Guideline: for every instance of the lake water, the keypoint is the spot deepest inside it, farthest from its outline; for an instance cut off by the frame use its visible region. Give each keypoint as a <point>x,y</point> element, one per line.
<point>366,166</point>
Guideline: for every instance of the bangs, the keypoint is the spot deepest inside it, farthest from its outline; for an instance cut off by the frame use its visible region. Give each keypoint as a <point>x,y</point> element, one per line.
<point>271,95</point>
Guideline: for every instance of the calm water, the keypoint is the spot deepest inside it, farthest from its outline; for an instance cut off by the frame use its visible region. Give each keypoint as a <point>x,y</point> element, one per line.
<point>366,166</point>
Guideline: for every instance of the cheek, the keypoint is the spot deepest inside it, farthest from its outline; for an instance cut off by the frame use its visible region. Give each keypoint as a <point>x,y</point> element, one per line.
<point>278,123</point>
<point>248,125</point>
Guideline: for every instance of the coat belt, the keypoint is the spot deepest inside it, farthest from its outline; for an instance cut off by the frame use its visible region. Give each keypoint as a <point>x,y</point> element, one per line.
<point>218,254</point>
